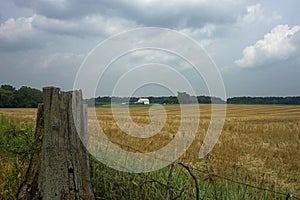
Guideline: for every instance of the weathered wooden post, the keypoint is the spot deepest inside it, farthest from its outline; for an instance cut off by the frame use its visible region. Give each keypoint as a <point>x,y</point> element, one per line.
<point>59,167</point>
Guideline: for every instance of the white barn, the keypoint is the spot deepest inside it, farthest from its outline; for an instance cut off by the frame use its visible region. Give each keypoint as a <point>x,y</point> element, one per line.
<point>143,101</point>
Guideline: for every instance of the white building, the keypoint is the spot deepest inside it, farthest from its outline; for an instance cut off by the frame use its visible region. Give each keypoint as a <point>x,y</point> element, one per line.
<point>143,101</point>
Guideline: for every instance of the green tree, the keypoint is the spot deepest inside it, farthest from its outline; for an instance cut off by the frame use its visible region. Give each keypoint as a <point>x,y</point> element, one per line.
<point>27,97</point>
<point>185,98</point>
<point>7,96</point>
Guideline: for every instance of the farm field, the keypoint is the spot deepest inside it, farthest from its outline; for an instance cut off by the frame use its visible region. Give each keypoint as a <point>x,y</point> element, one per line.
<point>259,144</point>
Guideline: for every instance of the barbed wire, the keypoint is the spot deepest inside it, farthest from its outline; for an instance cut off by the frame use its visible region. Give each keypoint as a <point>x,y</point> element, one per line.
<point>189,171</point>
<point>189,168</point>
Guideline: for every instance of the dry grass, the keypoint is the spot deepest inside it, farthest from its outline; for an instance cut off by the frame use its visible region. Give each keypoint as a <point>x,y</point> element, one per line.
<point>259,144</point>
<point>16,135</point>
<point>20,115</point>
<point>263,144</point>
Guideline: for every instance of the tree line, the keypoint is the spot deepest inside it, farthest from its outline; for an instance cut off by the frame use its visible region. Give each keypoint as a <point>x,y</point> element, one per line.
<point>265,100</point>
<point>27,97</point>
<point>182,98</point>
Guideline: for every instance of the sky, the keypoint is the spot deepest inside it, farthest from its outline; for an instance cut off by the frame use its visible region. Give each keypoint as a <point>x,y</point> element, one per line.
<point>254,44</point>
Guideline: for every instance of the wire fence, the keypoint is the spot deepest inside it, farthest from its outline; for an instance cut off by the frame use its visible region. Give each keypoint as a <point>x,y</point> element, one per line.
<point>177,181</point>
<point>203,184</point>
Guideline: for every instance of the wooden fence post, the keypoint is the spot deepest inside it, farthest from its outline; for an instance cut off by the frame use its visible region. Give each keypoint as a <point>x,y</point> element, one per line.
<point>59,167</point>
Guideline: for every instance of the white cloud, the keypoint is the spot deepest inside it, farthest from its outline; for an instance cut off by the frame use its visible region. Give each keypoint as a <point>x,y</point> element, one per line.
<point>206,31</point>
<point>276,45</point>
<point>16,33</point>
<point>203,35</point>
<point>13,27</point>
<point>37,30</point>
<point>254,14</point>
<point>86,26</point>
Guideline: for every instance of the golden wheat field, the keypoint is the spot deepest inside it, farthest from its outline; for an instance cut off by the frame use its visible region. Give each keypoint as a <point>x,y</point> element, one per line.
<point>259,143</point>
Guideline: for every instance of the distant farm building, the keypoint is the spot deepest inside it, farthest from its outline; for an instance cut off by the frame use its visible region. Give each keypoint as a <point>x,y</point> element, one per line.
<point>143,101</point>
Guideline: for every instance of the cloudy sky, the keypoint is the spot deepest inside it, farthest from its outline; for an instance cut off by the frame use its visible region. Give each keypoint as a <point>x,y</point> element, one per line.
<point>255,44</point>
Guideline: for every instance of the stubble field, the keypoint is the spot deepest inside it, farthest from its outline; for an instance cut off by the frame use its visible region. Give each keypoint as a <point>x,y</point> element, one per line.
<point>259,144</point>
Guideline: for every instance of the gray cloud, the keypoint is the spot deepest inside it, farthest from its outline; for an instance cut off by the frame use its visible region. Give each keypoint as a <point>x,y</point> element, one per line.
<point>18,34</point>
<point>38,69</point>
<point>43,42</point>
<point>172,14</point>
<point>95,25</point>
<point>9,10</point>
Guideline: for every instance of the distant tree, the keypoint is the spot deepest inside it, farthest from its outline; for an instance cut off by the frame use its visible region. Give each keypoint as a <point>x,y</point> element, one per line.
<point>105,99</point>
<point>8,88</point>
<point>7,96</point>
<point>185,98</point>
<point>170,100</point>
<point>204,99</point>
<point>27,97</point>
<point>264,100</point>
